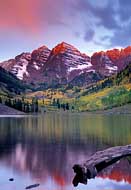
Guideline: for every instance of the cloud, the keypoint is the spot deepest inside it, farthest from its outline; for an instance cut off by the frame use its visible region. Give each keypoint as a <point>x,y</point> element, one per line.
<point>35,15</point>
<point>31,15</point>
<point>112,15</point>
<point>105,14</point>
<point>122,37</point>
<point>89,35</point>
<point>96,16</point>
<point>88,24</point>
<point>19,15</point>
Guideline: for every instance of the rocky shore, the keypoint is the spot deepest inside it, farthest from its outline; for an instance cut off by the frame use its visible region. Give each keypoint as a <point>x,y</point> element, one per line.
<point>5,110</point>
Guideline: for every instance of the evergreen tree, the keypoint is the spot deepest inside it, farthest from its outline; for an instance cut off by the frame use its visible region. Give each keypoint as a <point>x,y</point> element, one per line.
<point>9,102</point>
<point>67,106</point>
<point>57,101</point>
<point>63,106</point>
<point>58,105</point>
<point>72,108</point>
<point>27,107</point>
<point>54,102</point>
<point>34,106</point>
<point>18,105</point>
<point>0,100</point>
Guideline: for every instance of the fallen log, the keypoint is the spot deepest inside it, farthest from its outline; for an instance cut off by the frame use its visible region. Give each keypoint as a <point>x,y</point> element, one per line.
<point>99,161</point>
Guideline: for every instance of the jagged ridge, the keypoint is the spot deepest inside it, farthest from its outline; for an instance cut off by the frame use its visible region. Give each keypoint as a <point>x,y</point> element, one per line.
<point>65,64</point>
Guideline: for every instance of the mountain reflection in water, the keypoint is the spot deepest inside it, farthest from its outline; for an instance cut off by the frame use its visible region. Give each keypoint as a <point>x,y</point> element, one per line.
<point>43,149</point>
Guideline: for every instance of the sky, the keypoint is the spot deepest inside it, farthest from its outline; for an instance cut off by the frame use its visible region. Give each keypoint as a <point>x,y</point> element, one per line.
<point>89,25</point>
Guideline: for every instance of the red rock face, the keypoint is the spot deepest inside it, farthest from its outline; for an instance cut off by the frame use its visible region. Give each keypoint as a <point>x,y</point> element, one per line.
<point>111,61</point>
<point>66,64</point>
<point>120,57</point>
<point>113,54</point>
<point>103,64</point>
<point>60,48</point>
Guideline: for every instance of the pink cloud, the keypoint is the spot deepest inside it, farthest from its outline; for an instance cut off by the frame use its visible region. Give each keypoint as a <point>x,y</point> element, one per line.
<point>20,15</point>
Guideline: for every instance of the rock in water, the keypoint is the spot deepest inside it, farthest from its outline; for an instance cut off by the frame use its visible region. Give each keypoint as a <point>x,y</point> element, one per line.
<point>11,179</point>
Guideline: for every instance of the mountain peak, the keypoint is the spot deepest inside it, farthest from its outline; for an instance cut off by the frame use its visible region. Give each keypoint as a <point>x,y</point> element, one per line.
<point>24,55</point>
<point>40,50</point>
<point>41,54</point>
<point>128,50</point>
<point>99,53</point>
<point>62,47</point>
<point>64,63</point>
<point>43,48</point>
<point>64,43</point>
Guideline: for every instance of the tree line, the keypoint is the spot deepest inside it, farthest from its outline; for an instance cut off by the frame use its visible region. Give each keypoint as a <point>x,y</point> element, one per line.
<point>64,106</point>
<point>117,97</point>
<point>21,104</point>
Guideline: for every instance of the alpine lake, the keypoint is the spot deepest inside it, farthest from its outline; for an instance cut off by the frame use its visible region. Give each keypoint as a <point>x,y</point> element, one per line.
<point>42,149</point>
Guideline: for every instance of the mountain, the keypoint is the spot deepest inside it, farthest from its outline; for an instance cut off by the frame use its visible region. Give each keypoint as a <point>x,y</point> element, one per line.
<point>113,91</point>
<point>103,64</point>
<point>28,66</point>
<point>111,61</point>
<point>10,83</point>
<point>18,65</point>
<point>65,64</point>
<point>121,78</point>
<point>86,78</point>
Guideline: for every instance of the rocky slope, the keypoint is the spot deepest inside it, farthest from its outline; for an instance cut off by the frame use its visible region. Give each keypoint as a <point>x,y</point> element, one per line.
<point>10,83</point>
<point>28,66</point>
<point>5,110</point>
<point>111,61</point>
<point>103,64</point>
<point>65,64</point>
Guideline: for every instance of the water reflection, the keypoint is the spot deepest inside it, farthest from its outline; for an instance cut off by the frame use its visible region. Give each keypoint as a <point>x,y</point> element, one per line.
<point>43,149</point>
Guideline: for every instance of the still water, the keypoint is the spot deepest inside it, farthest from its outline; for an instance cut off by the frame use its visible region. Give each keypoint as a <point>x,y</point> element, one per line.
<point>42,149</point>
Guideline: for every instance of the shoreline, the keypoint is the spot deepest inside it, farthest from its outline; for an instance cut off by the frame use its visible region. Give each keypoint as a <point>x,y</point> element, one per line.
<point>6,111</point>
<point>124,109</point>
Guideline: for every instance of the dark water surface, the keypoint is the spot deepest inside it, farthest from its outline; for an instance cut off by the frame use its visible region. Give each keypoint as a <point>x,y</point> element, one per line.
<point>42,149</point>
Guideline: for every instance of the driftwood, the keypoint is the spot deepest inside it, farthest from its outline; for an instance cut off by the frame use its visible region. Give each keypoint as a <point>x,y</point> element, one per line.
<point>98,162</point>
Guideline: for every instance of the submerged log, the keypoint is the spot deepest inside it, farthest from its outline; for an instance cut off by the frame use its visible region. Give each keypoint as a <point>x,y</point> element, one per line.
<point>99,161</point>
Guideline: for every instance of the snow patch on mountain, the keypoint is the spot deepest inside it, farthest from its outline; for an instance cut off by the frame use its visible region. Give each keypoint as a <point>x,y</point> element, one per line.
<point>20,69</point>
<point>111,68</point>
<point>90,70</point>
<point>79,67</point>
<point>36,66</point>
<point>64,63</point>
